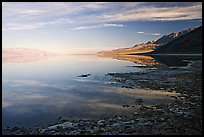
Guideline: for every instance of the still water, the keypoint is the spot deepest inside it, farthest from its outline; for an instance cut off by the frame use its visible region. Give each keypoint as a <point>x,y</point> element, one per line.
<point>36,93</point>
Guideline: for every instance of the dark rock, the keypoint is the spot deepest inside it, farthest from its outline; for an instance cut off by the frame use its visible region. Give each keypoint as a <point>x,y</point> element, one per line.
<point>84,75</point>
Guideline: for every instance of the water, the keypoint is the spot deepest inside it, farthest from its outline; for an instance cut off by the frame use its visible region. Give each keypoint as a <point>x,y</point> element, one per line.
<point>36,93</point>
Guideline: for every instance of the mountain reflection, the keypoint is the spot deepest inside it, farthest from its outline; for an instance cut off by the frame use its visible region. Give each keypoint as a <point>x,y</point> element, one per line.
<point>23,55</point>
<point>23,59</point>
<point>176,61</point>
<point>138,59</point>
<point>167,60</point>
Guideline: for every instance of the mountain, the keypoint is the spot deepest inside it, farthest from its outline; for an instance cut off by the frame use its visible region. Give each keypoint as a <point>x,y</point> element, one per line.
<point>25,52</point>
<point>151,42</point>
<point>167,38</point>
<point>188,43</point>
<point>140,48</point>
<point>20,55</point>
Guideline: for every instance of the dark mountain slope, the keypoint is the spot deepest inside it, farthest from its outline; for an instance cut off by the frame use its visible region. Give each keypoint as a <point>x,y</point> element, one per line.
<point>167,38</point>
<point>189,43</point>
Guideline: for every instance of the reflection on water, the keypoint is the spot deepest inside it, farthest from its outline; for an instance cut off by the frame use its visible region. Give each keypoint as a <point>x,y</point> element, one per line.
<point>37,93</point>
<point>169,60</point>
<point>176,61</point>
<point>30,104</point>
<point>144,60</point>
<point>23,59</point>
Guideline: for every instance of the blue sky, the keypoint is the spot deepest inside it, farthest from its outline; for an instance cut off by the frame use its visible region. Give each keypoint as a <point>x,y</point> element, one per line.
<point>86,27</point>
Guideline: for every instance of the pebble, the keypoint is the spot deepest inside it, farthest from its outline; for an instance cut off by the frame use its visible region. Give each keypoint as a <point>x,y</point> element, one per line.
<point>101,122</point>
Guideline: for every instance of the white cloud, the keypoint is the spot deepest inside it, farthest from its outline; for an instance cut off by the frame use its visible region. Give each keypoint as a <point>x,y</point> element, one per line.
<point>140,32</point>
<point>23,27</point>
<point>113,25</point>
<point>30,12</point>
<point>145,33</point>
<point>156,34</point>
<point>98,26</point>
<point>86,27</point>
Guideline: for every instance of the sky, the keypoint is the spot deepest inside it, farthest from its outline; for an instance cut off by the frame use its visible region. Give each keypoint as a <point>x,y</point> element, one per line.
<point>88,27</point>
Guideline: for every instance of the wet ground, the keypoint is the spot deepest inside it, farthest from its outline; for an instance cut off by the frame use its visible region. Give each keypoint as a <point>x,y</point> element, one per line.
<point>183,116</point>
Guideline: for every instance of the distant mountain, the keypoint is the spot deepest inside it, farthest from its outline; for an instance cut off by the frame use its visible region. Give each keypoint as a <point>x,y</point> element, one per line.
<point>188,43</point>
<point>168,38</point>
<point>140,48</point>
<point>20,55</point>
<point>25,52</point>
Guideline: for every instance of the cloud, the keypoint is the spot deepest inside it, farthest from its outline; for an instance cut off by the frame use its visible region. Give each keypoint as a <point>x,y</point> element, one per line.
<point>23,9</point>
<point>28,82</point>
<point>156,34</point>
<point>35,25</point>
<point>24,26</point>
<point>145,33</point>
<point>98,26</point>
<point>86,27</point>
<point>140,32</point>
<point>150,13</point>
<point>113,25</point>
<point>35,15</point>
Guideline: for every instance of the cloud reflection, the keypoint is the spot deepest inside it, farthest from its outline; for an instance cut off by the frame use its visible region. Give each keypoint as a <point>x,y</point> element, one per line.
<point>78,100</point>
<point>28,82</point>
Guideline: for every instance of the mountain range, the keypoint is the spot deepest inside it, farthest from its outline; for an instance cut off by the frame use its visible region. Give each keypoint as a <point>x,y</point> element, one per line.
<point>167,38</point>
<point>184,42</point>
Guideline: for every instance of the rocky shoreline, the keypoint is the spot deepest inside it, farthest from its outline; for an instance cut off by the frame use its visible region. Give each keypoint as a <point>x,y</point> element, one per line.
<point>181,117</point>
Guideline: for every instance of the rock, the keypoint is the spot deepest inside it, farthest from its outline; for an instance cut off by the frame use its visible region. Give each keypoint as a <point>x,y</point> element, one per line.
<point>101,122</point>
<point>119,118</point>
<point>188,115</point>
<point>63,125</point>
<point>161,119</point>
<point>139,101</point>
<point>59,117</point>
<point>125,105</point>
<point>116,125</point>
<point>84,75</point>
<point>84,132</point>
<point>107,133</point>
<point>135,113</point>
<point>174,97</point>
<point>64,120</point>
<point>128,124</point>
<point>179,113</point>
<point>182,97</point>
<point>14,129</point>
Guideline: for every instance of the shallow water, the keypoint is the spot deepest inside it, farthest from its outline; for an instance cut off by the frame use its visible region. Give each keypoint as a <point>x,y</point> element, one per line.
<point>36,93</point>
